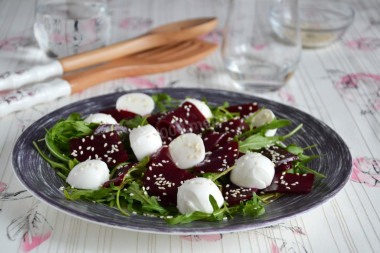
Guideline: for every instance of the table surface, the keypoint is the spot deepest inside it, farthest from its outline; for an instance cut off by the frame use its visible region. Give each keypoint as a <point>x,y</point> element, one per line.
<point>339,84</point>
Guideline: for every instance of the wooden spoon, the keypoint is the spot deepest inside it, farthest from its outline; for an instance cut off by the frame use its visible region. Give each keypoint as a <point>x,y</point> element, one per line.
<point>156,60</point>
<point>161,59</point>
<point>162,35</point>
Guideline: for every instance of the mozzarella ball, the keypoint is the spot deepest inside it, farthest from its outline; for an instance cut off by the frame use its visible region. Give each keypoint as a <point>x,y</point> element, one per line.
<point>201,106</point>
<point>253,170</point>
<point>100,118</point>
<point>193,195</point>
<point>89,175</point>
<point>187,150</point>
<point>138,103</point>
<point>144,140</point>
<point>263,117</point>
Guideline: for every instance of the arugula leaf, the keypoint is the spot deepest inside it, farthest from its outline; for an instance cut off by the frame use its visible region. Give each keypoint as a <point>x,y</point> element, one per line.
<point>308,170</point>
<point>73,127</point>
<point>303,159</point>
<point>164,102</point>
<point>54,150</point>
<point>221,114</point>
<point>148,203</point>
<point>137,171</point>
<point>99,196</point>
<point>217,215</point>
<point>258,141</point>
<point>294,149</point>
<point>276,123</point>
<point>134,122</point>
<point>252,207</point>
<point>61,166</point>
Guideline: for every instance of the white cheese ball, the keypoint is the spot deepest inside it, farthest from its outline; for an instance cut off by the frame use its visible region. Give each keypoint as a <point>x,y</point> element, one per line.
<point>263,117</point>
<point>201,106</point>
<point>100,118</point>
<point>138,103</point>
<point>187,150</point>
<point>253,170</point>
<point>89,175</point>
<point>144,140</point>
<point>193,195</point>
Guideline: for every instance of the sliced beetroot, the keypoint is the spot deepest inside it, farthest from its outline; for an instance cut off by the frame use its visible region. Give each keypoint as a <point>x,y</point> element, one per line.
<point>118,177</point>
<point>234,127</point>
<point>163,177</point>
<point>219,159</point>
<point>155,118</point>
<point>105,128</point>
<point>185,119</point>
<point>234,194</point>
<point>119,115</point>
<point>279,155</point>
<point>106,147</point>
<point>212,139</point>
<point>244,109</point>
<point>116,182</point>
<point>290,183</point>
<point>283,167</point>
<point>122,170</point>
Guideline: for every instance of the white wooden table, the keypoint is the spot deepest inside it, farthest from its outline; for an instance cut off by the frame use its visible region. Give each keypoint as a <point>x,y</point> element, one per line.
<point>339,85</point>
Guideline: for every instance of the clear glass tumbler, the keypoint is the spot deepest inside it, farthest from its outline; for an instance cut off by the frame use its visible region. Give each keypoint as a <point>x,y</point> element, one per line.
<point>67,27</point>
<point>261,44</point>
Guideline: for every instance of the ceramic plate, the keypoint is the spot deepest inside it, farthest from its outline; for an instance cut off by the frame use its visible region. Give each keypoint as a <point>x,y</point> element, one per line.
<point>42,181</point>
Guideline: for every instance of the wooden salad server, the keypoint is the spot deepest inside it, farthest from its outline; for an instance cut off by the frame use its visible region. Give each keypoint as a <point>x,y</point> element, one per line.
<point>162,35</point>
<point>152,61</point>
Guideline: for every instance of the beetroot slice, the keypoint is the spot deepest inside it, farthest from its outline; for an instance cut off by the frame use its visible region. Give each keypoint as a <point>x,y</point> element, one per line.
<point>279,155</point>
<point>119,115</point>
<point>244,109</point>
<point>283,167</point>
<point>155,118</point>
<point>219,159</point>
<point>106,147</point>
<point>185,119</point>
<point>212,139</point>
<point>234,127</point>
<point>234,194</point>
<point>163,177</point>
<point>118,177</point>
<point>290,183</point>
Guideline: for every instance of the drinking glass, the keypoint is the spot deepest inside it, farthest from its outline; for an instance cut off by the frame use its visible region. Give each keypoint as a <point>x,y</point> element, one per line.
<point>261,44</point>
<point>67,27</point>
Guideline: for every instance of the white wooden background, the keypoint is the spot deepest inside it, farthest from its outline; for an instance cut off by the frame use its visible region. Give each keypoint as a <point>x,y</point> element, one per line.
<point>339,84</point>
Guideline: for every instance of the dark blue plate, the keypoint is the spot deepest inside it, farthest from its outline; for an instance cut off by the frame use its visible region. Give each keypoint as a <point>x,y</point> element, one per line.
<point>42,181</point>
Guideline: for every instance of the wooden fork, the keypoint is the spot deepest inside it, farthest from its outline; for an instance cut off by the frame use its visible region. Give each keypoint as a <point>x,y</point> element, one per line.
<point>156,60</point>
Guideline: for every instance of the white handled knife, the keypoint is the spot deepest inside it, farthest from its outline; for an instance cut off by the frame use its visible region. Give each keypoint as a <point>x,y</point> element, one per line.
<point>34,94</point>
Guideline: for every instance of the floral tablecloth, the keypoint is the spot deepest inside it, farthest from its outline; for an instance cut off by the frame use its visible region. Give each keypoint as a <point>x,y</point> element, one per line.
<point>339,85</point>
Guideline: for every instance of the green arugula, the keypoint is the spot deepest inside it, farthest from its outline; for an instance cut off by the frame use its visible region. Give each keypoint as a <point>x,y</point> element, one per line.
<point>303,159</point>
<point>66,129</point>
<point>258,141</point>
<point>148,203</point>
<point>165,102</point>
<point>221,114</point>
<point>218,214</point>
<point>63,170</point>
<point>134,122</point>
